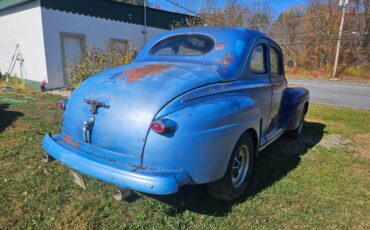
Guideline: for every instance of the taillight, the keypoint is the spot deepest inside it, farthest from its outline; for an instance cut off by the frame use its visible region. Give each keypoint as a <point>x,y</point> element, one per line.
<point>163,126</point>
<point>157,126</point>
<point>61,104</point>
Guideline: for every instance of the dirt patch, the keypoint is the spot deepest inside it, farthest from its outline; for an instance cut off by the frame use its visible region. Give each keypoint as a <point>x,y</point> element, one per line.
<point>334,141</point>
<point>362,146</point>
<point>363,139</point>
<point>69,220</point>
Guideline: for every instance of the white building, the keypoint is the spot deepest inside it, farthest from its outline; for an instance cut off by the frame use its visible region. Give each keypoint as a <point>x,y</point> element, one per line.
<point>50,31</point>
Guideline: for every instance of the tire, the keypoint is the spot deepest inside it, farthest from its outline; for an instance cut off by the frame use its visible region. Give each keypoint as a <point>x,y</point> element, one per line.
<point>297,132</point>
<point>238,173</point>
<point>46,158</point>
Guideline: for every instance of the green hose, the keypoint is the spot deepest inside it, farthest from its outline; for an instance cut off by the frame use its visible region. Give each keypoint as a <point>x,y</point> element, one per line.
<point>14,100</point>
<point>24,95</point>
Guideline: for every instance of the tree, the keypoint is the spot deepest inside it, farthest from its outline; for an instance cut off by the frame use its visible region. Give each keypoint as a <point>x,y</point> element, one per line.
<point>307,33</point>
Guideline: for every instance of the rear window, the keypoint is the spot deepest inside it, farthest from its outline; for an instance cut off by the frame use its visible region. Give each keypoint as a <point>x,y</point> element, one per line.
<point>183,45</point>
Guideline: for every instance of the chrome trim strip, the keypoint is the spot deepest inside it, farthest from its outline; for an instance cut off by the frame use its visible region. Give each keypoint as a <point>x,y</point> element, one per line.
<point>223,88</point>
<point>267,143</point>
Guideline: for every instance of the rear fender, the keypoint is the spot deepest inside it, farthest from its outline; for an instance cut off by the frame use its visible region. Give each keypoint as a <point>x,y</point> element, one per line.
<point>207,131</point>
<point>293,105</point>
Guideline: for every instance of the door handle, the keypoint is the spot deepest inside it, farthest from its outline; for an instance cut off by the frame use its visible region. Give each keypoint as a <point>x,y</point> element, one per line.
<point>87,129</point>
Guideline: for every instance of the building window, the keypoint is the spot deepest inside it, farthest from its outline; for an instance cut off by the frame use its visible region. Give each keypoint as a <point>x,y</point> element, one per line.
<point>121,43</point>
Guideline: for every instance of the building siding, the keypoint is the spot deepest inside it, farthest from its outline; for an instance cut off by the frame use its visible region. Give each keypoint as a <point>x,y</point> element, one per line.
<point>97,31</point>
<point>117,11</point>
<point>23,25</point>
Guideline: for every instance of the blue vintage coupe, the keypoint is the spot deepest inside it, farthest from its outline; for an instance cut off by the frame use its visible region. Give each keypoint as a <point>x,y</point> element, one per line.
<point>196,106</point>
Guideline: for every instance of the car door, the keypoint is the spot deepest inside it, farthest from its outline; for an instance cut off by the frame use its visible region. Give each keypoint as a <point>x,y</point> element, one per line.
<point>279,83</point>
<point>257,81</point>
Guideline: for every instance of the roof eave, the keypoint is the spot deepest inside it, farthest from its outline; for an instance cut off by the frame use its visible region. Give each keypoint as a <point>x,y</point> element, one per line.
<point>5,4</point>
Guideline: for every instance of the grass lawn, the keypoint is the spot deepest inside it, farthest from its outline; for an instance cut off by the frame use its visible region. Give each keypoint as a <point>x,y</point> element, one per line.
<point>320,180</point>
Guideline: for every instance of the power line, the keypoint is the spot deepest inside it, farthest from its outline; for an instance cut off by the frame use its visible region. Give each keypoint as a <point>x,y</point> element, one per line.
<point>323,40</point>
<point>348,33</point>
<point>303,18</point>
<point>295,19</point>
<point>345,33</point>
<point>275,22</point>
<point>330,36</point>
<point>180,6</point>
<point>266,2</point>
<point>303,32</point>
<point>246,4</point>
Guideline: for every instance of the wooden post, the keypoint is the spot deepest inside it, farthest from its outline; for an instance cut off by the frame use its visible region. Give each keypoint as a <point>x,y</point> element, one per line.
<point>342,2</point>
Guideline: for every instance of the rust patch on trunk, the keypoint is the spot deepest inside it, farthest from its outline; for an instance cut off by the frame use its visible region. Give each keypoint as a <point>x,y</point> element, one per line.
<point>67,139</point>
<point>143,71</point>
<point>220,46</point>
<point>226,61</point>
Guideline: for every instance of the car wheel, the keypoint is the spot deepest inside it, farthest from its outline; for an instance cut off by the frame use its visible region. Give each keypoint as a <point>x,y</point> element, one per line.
<point>298,131</point>
<point>47,158</point>
<point>238,172</point>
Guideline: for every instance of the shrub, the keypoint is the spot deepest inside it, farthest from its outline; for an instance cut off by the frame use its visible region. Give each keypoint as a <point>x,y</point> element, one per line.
<point>14,81</point>
<point>95,60</point>
<point>2,76</point>
<point>355,71</point>
<point>10,80</point>
<point>319,73</point>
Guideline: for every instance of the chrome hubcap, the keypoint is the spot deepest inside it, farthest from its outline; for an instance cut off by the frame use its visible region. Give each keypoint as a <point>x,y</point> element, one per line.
<point>240,166</point>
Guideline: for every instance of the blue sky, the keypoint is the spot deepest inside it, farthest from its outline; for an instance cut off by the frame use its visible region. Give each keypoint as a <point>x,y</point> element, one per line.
<point>278,6</point>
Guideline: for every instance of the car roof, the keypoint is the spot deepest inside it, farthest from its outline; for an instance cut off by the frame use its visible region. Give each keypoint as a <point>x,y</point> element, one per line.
<point>217,31</point>
<point>232,46</point>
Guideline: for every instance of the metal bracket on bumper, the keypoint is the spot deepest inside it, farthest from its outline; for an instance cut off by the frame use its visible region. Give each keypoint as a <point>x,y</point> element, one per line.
<point>140,179</point>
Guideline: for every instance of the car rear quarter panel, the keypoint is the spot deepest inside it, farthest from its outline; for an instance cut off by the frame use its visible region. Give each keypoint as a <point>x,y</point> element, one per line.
<point>206,133</point>
<point>293,104</point>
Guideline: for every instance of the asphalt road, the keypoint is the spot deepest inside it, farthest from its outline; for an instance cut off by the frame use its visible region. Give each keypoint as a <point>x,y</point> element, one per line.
<point>349,95</point>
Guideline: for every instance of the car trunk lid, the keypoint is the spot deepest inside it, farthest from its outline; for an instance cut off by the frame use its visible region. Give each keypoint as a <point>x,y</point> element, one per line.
<point>123,102</point>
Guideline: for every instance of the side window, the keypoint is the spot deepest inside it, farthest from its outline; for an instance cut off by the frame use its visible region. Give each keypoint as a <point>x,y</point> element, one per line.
<point>275,61</point>
<point>258,61</point>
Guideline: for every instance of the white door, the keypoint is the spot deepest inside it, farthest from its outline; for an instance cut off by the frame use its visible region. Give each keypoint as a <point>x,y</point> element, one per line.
<point>72,46</point>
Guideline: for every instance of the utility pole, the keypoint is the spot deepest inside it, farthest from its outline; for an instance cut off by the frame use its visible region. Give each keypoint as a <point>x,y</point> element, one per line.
<point>145,27</point>
<point>341,3</point>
